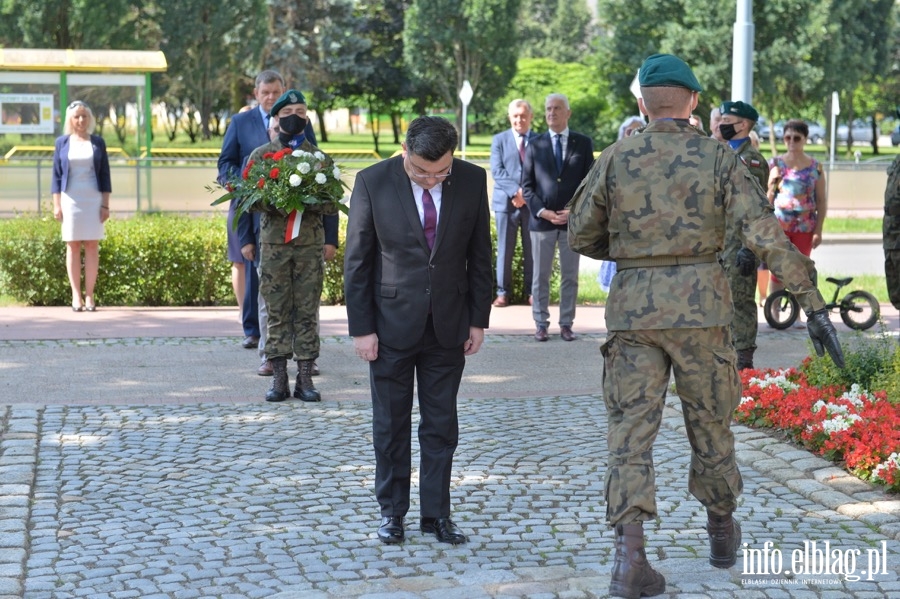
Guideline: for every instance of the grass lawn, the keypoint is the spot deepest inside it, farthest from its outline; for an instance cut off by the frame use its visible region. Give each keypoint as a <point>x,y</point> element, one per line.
<point>852,225</point>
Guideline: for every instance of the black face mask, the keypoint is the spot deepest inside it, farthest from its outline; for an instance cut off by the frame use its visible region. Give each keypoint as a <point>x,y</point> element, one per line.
<point>292,124</point>
<point>727,130</point>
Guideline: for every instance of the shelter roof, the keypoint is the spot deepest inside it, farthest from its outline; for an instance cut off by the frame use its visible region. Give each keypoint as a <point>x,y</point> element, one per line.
<point>85,61</point>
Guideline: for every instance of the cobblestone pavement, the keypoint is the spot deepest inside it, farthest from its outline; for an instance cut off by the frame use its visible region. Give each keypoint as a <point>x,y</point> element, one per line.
<point>164,475</point>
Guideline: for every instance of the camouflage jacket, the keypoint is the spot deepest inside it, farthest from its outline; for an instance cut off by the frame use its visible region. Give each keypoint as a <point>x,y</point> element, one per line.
<point>891,224</point>
<point>272,223</point>
<point>759,168</point>
<point>670,192</point>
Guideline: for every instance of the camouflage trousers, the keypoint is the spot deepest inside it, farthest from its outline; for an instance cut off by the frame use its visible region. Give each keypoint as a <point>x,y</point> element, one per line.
<point>745,325</point>
<point>892,273</point>
<point>290,280</point>
<point>637,367</point>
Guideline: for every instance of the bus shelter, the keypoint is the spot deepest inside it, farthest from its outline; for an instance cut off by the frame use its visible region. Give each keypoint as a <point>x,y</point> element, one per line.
<point>65,69</point>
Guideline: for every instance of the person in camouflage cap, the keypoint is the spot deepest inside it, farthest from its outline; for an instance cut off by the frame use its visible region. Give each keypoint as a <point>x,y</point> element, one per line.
<point>659,204</point>
<point>738,119</point>
<point>891,232</point>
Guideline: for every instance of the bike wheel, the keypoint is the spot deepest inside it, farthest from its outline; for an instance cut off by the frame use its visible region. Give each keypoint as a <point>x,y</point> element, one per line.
<point>781,309</point>
<point>859,310</point>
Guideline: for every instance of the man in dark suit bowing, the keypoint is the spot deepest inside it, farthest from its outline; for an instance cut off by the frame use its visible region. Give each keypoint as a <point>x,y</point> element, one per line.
<point>510,210</point>
<point>555,164</point>
<point>417,280</point>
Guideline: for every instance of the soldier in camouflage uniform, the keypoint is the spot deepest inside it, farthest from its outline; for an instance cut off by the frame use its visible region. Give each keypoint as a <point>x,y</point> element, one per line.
<point>291,273</point>
<point>659,204</point>
<point>891,232</point>
<point>737,121</point>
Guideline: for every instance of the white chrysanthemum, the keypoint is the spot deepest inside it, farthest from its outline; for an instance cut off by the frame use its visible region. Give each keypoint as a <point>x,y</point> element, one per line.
<point>893,459</point>
<point>839,423</point>
<point>297,153</point>
<point>321,178</point>
<point>319,156</point>
<point>777,378</point>
<point>747,398</point>
<point>855,395</point>
<point>303,167</point>
<point>295,180</point>
<point>336,173</point>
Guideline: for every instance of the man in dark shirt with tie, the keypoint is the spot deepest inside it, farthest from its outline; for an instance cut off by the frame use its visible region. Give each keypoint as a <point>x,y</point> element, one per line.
<point>555,164</point>
<point>510,210</point>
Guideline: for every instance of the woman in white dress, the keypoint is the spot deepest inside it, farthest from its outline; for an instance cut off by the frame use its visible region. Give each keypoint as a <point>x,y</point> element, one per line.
<point>81,186</point>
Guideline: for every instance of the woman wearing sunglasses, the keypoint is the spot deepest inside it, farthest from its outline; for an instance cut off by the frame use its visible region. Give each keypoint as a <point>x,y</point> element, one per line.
<point>797,191</point>
<point>81,186</point>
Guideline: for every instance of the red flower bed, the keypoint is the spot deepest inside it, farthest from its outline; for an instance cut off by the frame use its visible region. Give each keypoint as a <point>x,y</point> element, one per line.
<point>856,427</point>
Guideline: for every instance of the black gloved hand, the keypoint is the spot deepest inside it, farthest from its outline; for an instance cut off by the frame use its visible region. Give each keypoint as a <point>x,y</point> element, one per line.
<point>746,262</point>
<point>823,336</point>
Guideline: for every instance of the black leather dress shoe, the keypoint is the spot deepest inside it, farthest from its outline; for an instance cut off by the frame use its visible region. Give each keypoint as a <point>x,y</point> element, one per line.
<point>250,342</point>
<point>567,334</point>
<point>541,334</point>
<point>444,529</point>
<point>391,530</point>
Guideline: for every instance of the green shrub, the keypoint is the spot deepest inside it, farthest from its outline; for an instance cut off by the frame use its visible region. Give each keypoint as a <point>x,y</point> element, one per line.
<point>333,283</point>
<point>867,361</point>
<point>160,259</point>
<point>889,379</point>
<point>149,260</point>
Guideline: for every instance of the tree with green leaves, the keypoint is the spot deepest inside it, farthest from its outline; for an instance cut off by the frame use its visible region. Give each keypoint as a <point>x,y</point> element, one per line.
<point>558,29</point>
<point>385,89</point>
<point>536,78</point>
<point>74,24</point>
<point>78,24</point>
<point>803,48</point>
<point>475,41</point>
<point>203,42</point>
<point>316,46</point>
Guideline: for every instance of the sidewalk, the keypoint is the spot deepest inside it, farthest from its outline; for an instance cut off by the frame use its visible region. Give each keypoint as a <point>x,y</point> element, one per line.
<point>137,459</point>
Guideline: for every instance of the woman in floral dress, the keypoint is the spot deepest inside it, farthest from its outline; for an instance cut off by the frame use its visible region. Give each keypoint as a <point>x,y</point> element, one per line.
<point>797,191</point>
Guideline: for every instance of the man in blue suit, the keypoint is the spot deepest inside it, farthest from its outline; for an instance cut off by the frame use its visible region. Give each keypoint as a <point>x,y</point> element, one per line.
<point>510,210</point>
<point>555,164</point>
<point>249,130</point>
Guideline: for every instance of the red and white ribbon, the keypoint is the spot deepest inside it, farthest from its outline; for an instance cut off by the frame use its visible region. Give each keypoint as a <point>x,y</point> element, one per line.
<point>293,226</point>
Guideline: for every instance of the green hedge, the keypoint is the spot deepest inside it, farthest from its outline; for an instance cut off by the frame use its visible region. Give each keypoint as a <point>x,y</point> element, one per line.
<point>149,260</point>
<point>154,260</point>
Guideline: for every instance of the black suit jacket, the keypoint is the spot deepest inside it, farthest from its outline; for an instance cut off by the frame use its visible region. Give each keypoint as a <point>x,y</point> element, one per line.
<point>391,279</point>
<point>542,187</point>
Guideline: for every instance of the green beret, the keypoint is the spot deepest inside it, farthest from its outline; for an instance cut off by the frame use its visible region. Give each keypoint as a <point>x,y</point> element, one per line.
<point>665,70</point>
<point>291,96</point>
<point>741,109</point>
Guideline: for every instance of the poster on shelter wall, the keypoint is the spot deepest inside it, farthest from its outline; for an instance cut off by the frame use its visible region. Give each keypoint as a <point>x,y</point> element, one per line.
<point>26,113</point>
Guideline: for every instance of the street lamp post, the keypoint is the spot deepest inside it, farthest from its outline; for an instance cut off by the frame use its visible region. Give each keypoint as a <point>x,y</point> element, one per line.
<point>465,95</point>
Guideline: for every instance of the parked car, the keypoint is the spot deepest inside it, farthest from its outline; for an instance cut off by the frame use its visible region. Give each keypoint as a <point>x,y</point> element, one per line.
<point>861,130</point>
<point>763,130</point>
<point>816,131</point>
<point>895,136</point>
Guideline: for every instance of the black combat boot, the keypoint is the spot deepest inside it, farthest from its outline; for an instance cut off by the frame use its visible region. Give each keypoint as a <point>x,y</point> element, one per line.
<point>724,540</point>
<point>745,359</point>
<point>280,390</point>
<point>304,389</point>
<point>632,575</point>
